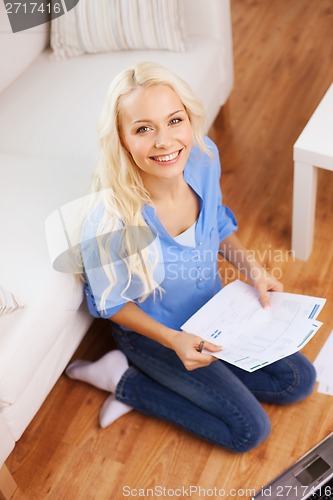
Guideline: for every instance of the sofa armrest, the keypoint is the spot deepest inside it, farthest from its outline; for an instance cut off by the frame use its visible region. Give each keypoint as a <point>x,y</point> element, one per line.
<point>19,50</point>
<point>7,441</point>
<point>207,17</point>
<point>212,18</point>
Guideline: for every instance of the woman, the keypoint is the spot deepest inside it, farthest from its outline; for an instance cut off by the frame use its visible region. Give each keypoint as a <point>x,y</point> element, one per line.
<point>149,250</point>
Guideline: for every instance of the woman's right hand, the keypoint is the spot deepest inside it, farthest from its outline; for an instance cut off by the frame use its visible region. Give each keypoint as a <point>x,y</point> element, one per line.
<point>186,347</point>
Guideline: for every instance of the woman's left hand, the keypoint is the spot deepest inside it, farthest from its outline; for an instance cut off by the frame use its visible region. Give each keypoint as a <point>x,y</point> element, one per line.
<point>233,250</point>
<point>264,282</point>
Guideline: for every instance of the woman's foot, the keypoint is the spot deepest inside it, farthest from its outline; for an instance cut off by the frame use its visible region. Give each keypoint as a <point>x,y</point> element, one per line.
<point>104,373</point>
<point>112,410</point>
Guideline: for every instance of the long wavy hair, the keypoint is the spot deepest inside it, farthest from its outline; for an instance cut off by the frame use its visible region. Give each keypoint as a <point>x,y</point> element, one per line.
<point>117,177</point>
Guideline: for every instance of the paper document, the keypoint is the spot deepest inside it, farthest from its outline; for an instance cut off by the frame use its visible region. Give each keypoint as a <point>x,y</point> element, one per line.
<point>253,337</point>
<point>324,367</point>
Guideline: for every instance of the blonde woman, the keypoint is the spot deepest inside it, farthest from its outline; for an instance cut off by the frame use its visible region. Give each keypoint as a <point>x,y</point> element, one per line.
<point>150,257</point>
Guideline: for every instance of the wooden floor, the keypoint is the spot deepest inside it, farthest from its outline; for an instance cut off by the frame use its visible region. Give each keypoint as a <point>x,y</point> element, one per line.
<point>283,65</point>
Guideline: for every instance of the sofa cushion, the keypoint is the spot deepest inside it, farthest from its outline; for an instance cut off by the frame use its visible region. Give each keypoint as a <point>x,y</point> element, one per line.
<point>30,189</point>
<point>106,25</point>
<point>52,110</point>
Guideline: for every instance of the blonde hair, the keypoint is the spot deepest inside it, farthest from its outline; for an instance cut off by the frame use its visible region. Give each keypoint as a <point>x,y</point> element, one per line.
<point>118,175</point>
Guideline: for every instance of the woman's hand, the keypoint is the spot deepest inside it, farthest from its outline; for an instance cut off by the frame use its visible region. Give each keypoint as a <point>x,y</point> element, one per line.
<point>186,347</point>
<point>264,282</point>
<point>235,253</point>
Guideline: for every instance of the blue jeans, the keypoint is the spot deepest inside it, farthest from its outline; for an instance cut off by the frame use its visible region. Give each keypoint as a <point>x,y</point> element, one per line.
<point>219,402</point>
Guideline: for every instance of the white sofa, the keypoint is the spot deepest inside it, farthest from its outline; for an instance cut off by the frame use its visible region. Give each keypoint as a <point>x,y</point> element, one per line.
<point>48,147</point>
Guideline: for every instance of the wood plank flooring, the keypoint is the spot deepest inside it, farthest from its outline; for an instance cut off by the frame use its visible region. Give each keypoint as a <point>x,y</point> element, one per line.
<point>283,54</point>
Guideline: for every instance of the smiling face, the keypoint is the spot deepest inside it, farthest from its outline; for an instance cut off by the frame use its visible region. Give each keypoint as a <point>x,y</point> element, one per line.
<point>156,131</point>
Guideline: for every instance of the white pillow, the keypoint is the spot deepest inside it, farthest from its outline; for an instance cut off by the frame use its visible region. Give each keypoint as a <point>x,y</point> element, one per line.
<point>8,302</point>
<point>103,25</point>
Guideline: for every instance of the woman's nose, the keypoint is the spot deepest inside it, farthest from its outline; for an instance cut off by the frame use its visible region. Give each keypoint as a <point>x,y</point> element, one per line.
<point>162,139</point>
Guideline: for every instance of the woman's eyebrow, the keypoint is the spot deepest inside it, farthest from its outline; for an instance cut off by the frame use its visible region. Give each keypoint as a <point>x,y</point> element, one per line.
<point>150,121</point>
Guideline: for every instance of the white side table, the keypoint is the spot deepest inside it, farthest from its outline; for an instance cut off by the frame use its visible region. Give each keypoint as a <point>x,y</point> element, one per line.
<point>312,150</point>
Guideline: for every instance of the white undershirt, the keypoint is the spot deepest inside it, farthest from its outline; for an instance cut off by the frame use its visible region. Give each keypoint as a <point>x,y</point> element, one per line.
<point>187,238</point>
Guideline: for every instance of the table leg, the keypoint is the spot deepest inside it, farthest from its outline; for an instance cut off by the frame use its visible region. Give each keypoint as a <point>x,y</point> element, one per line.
<point>304,206</point>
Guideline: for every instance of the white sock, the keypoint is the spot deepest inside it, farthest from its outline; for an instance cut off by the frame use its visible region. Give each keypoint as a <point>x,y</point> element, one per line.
<point>112,410</point>
<point>104,373</point>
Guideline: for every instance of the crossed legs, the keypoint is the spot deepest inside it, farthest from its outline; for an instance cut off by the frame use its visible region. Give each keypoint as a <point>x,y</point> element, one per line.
<point>218,403</point>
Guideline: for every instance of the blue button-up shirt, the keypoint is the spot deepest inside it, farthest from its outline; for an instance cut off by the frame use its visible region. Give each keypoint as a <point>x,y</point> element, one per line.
<point>190,274</point>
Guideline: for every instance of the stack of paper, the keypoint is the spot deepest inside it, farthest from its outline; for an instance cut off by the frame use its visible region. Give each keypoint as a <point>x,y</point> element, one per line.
<point>253,337</point>
<point>324,367</point>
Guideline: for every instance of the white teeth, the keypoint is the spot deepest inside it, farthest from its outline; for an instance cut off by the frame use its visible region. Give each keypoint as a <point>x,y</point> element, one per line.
<point>167,157</point>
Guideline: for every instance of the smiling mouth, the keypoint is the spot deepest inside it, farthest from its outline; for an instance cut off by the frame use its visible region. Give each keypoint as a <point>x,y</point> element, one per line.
<point>166,158</point>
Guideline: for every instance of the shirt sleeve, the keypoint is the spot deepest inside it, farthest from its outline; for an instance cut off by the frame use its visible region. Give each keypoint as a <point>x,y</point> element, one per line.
<point>95,311</point>
<point>227,223</point>
<point>109,284</point>
<point>96,274</point>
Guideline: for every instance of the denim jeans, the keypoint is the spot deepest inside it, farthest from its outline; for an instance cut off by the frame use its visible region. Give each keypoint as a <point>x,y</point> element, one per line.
<point>220,402</point>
